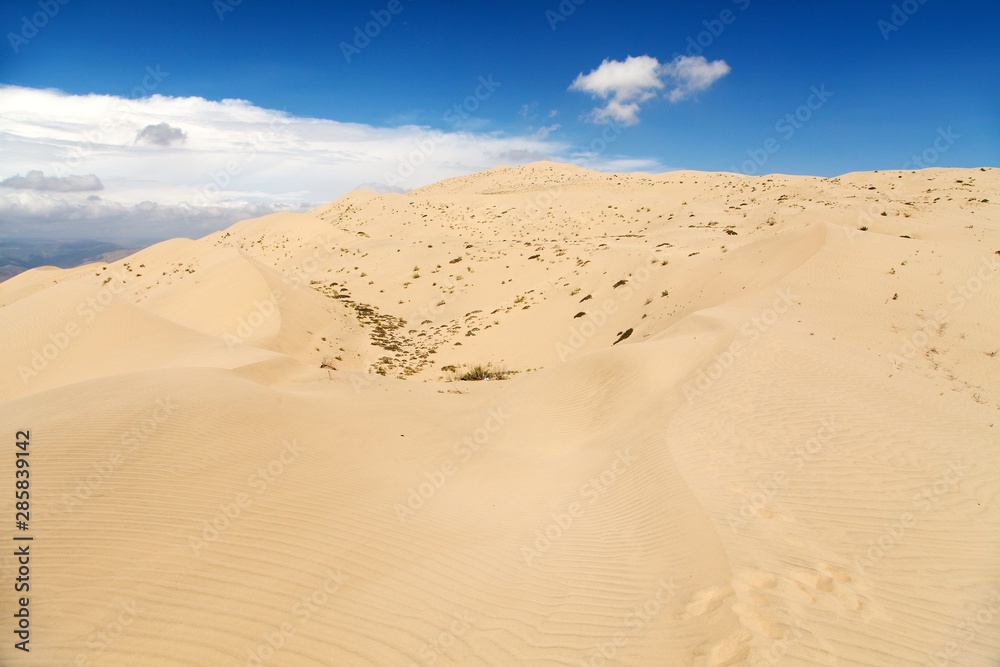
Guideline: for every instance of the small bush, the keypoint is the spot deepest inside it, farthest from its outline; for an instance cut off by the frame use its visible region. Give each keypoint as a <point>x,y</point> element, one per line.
<point>487,372</point>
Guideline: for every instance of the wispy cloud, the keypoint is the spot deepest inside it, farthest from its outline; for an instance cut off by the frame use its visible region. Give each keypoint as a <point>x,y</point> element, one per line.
<point>627,84</point>
<point>37,180</point>
<point>692,74</point>
<point>544,131</point>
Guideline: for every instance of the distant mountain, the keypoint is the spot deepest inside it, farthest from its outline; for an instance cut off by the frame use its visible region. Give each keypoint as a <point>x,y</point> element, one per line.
<point>19,255</point>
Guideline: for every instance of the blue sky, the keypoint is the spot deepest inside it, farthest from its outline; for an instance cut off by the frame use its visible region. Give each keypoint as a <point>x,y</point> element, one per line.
<point>891,90</point>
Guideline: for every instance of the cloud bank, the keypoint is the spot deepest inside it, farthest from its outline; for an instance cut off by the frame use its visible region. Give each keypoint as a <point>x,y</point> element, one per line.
<point>172,166</point>
<point>37,180</point>
<point>627,84</point>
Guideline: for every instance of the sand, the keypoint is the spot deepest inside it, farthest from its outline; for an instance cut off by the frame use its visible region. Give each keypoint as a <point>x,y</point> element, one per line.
<point>734,429</point>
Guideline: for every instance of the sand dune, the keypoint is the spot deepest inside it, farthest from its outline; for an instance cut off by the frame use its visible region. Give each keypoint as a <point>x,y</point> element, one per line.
<point>738,429</point>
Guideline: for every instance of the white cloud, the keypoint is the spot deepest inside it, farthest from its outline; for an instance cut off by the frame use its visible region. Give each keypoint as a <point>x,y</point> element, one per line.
<point>520,156</point>
<point>37,180</point>
<point>615,163</point>
<point>627,84</point>
<point>41,214</point>
<point>544,131</point>
<point>630,79</point>
<point>237,161</point>
<point>530,112</point>
<point>692,74</point>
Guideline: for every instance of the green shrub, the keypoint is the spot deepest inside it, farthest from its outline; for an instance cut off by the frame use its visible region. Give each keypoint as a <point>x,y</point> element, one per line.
<point>487,372</point>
